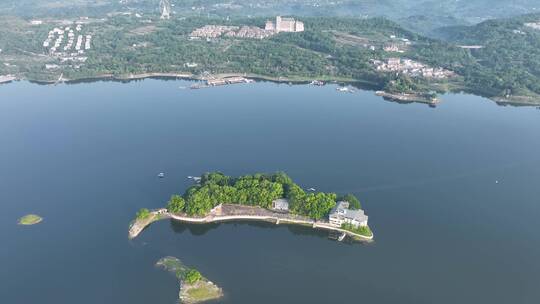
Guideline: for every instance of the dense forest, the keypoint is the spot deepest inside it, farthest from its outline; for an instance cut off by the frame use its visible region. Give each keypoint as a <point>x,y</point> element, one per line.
<point>508,61</point>
<point>254,190</point>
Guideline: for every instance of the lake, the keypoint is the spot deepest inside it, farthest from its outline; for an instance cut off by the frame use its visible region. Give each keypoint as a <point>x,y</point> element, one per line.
<point>452,193</point>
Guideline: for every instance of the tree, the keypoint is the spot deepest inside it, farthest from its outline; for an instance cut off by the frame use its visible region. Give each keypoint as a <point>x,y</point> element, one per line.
<point>296,197</point>
<point>199,202</point>
<point>217,178</point>
<point>354,203</point>
<point>143,214</point>
<point>192,276</point>
<point>176,204</point>
<point>319,205</point>
<point>255,190</point>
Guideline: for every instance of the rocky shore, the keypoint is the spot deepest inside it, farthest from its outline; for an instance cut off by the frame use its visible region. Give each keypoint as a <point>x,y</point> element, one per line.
<point>194,288</point>
<point>408,97</point>
<point>232,212</point>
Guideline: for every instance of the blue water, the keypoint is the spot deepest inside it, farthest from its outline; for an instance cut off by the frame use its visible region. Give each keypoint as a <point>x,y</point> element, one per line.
<point>86,156</point>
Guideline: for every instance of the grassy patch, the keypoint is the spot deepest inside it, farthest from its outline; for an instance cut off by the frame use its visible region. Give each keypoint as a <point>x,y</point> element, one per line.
<point>194,287</point>
<point>362,230</point>
<point>30,219</point>
<point>173,265</point>
<point>203,293</point>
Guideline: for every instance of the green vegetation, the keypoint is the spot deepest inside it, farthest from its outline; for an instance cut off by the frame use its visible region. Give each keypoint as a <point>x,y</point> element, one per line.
<point>126,45</point>
<point>30,219</point>
<point>508,64</point>
<point>194,287</point>
<point>175,266</point>
<point>143,214</point>
<point>203,293</point>
<point>182,272</point>
<point>354,203</point>
<point>331,48</point>
<point>176,204</point>
<point>362,230</point>
<point>254,190</point>
<point>192,276</point>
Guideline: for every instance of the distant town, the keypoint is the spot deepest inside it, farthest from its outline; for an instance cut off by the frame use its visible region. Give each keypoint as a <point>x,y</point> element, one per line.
<point>411,68</point>
<point>281,24</point>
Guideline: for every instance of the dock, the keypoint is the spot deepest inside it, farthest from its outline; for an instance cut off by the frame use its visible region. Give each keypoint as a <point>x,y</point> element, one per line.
<point>407,97</point>
<point>7,78</point>
<point>216,82</point>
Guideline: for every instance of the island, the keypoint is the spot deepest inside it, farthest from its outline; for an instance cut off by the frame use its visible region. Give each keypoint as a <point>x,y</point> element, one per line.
<point>30,219</point>
<point>194,288</point>
<point>274,198</point>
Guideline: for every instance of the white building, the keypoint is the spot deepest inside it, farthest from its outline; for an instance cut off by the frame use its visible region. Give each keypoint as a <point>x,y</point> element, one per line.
<point>341,214</point>
<point>280,205</point>
<point>284,24</point>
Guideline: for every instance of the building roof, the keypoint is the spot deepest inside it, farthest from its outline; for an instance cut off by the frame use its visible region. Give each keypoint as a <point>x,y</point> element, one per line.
<point>281,203</point>
<point>342,210</point>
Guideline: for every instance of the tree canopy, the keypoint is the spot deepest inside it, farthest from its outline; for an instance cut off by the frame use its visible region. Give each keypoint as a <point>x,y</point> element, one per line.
<point>143,213</point>
<point>354,203</point>
<point>255,190</point>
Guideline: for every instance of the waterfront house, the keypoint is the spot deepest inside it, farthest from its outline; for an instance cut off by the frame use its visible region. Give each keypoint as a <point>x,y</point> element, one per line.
<point>280,205</point>
<point>341,214</point>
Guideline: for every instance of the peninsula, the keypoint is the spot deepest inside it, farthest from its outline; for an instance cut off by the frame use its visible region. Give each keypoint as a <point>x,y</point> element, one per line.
<point>194,287</point>
<point>260,197</point>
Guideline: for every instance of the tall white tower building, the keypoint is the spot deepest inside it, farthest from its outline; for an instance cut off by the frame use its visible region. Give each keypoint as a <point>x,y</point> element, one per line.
<point>165,8</point>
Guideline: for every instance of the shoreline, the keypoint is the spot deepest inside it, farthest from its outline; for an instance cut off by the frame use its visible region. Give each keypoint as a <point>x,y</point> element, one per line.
<point>408,97</point>
<point>278,218</point>
<point>193,77</point>
<point>5,79</point>
<point>517,101</point>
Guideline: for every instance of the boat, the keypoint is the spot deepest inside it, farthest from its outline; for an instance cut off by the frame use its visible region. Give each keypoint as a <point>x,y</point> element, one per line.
<point>311,189</point>
<point>317,83</point>
<point>161,175</point>
<point>345,90</point>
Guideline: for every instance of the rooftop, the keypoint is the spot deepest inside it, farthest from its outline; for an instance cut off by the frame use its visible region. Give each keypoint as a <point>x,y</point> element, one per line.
<point>342,210</point>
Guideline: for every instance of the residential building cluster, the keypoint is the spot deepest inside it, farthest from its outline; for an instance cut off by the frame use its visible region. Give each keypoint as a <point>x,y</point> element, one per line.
<point>68,43</point>
<point>284,24</point>
<point>411,68</point>
<point>394,48</point>
<point>534,25</point>
<point>216,31</point>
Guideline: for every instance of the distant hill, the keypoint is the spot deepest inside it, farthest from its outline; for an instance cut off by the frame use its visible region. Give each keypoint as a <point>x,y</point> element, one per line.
<point>509,53</point>
<point>436,13</point>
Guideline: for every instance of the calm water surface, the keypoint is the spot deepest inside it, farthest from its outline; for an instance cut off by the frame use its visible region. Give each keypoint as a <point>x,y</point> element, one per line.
<point>85,157</point>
